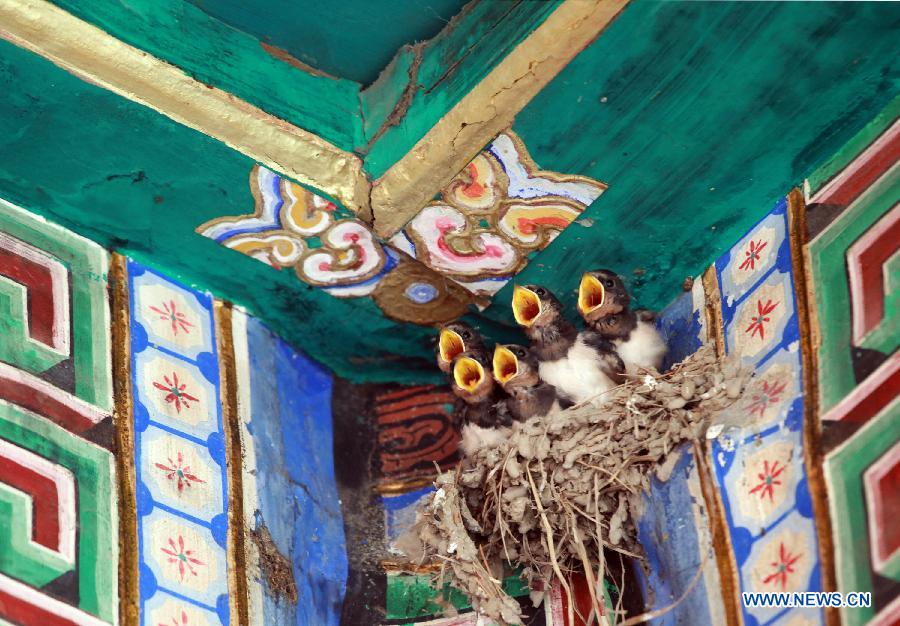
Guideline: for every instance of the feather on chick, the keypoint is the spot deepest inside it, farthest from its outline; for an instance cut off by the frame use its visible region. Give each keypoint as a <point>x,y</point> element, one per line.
<point>582,366</point>
<point>516,369</point>
<point>481,412</point>
<point>604,304</point>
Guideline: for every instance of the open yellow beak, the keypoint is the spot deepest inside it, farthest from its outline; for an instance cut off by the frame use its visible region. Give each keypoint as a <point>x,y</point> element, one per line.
<point>450,345</point>
<point>526,306</point>
<point>506,365</point>
<point>468,373</point>
<point>591,294</point>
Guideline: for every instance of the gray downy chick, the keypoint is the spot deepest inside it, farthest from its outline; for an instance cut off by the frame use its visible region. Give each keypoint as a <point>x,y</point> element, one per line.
<point>604,304</point>
<point>481,413</point>
<point>454,339</point>
<point>516,369</point>
<point>582,366</point>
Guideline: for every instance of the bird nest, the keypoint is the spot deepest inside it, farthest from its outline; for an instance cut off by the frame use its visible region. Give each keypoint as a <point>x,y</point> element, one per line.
<point>562,491</point>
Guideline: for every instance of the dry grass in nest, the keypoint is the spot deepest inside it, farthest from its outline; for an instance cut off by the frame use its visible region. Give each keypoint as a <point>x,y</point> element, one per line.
<point>562,491</point>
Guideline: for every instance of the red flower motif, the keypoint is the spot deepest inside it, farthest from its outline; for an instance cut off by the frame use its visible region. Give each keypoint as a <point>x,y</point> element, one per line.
<point>177,622</point>
<point>770,394</point>
<point>752,254</point>
<point>175,393</point>
<point>782,567</point>
<point>757,322</point>
<point>169,313</point>
<point>175,470</point>
<point>768,480</point>
<point>185,558</point>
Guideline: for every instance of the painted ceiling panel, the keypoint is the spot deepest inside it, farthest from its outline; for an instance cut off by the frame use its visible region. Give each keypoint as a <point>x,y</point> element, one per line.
<point>700,116</point>
<point>353,39</point>
<point>214,53</point>
<point>137,182</point>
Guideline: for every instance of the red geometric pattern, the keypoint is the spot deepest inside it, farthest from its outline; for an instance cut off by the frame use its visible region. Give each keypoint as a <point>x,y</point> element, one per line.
<point>32,393</point>
<point>882,487</point>
<point>38,281</point>
<point>415,430</point>
<point>870,396</point>
<point>20,604</point>
<point>866,261</point>
<point>44,497</point>
<point>863,171</point>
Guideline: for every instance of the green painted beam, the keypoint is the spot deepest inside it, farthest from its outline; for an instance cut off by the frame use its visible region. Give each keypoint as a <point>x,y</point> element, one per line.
<point>353,39</point>
<point>137,182</point>
<point>403,105</point>
<point>217,54</point>
<point>700,116</point>
<point>854,147</point>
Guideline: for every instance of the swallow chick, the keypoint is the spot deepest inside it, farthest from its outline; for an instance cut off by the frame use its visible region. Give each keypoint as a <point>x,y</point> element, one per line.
<point>516,369</point>
<point>604,304</point>
<point>580,365</point>
<point>454,339</point>
<point>482,411</point>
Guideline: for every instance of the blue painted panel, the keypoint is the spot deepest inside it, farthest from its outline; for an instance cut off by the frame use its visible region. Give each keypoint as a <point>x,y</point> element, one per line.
<point>680,326</point>
<point>179,452</point>
<point>759,469</point>
<point>291,430</point>
<point>668,530</point>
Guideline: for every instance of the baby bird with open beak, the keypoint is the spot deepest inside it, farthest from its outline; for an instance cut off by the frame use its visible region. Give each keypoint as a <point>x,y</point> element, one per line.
<point>482,412</point>
<point>516,369</point>
<point>454,339</point>
<point>604,305</point>
<point>580,365</point>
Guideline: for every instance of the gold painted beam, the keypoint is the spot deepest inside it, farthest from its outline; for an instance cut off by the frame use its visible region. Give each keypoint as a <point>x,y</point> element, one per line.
<point>486,110</point>
<point>99,58</point>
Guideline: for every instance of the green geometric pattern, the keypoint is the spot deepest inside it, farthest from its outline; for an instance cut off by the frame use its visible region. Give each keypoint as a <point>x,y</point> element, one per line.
<point>97,527</point>
<point>844,470</point>
<point>16,346</point>
<point>87,265</point>
<point>828,262</point>
<point>19,556</point>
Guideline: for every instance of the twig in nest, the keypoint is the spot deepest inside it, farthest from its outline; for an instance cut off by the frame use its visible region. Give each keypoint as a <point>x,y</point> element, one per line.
<point>559,490</point>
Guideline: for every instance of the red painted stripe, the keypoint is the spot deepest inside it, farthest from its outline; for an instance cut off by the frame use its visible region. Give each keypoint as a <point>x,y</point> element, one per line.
<point>438,397</point>
<point>37,400</point>
<point>401,393</point>
<point>870,396</point>
<point>24,613</point>
<point>887,511</point>
<point>408,414</point>
<point>44,498</point>
<point>39,282</point>
<point>872,166</point>
<point>871,262</point>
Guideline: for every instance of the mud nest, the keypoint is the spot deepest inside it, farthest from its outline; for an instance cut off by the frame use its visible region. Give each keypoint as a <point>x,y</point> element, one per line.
<point>563,491</point>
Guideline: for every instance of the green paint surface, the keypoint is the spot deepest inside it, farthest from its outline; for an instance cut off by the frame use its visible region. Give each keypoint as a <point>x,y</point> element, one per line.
<point>854,147</point>
<point>353,39</point>
<point>20,557</point>
<point>700,116</point>
<point>452,64</point>
<point>215,53</point>
<point>136,182</point>
<point>416,596</point>
<point>86,264</point>
<point>844,469</point>
<point>828,263</point>
<point>93,471</point>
